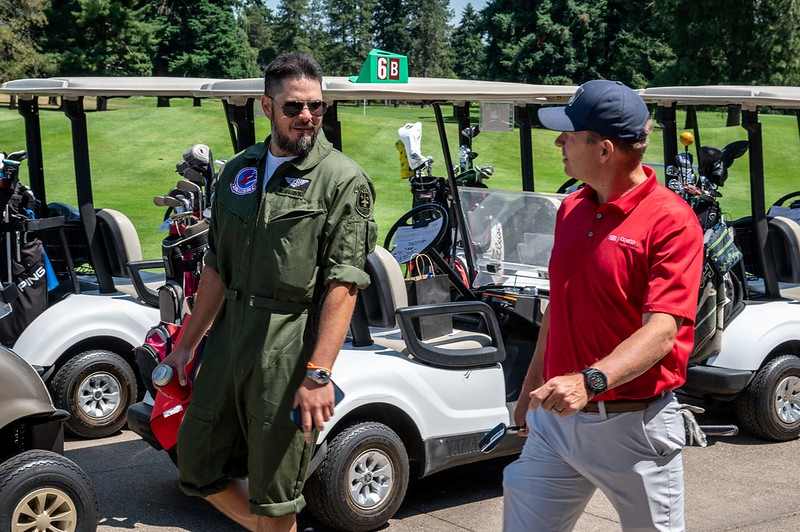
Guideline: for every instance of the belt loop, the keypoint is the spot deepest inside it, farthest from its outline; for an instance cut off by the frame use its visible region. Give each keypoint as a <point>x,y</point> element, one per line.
<point>601,406</point>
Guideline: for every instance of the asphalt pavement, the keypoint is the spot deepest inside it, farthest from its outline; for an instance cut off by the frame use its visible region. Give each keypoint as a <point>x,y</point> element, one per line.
<point>737,483</point>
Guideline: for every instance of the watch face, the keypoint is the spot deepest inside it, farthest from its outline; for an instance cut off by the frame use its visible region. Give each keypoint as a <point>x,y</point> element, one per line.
<point>596,381</point>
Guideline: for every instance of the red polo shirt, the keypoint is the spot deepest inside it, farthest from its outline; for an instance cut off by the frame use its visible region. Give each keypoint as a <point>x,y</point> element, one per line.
<point>613,262</point>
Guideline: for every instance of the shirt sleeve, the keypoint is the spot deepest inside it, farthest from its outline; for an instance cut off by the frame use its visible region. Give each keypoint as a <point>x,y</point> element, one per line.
<point>350,233</point>
<point>676,264</point>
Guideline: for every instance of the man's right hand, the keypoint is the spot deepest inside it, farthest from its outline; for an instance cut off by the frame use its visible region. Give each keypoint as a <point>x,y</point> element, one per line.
<point>178,359</point>
<point>520,412</point>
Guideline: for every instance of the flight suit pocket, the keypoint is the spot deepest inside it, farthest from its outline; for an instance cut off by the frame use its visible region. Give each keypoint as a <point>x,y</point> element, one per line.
<point>292,242</point>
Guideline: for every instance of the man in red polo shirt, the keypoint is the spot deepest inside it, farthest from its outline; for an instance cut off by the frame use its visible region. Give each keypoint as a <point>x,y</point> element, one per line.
<point>625,270</point>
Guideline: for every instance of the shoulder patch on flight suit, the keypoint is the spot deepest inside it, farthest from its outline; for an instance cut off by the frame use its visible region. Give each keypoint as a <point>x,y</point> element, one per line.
<point>245,181</point>
<point>363,200</point>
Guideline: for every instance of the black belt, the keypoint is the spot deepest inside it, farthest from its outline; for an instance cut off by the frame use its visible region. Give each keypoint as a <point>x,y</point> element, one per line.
<point>284,307</point>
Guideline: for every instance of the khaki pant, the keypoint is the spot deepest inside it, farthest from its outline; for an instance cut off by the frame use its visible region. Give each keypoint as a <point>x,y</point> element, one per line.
<point>633,457</point>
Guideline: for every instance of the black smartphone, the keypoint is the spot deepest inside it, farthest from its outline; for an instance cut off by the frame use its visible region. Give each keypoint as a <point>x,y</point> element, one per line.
<point>338,395</point>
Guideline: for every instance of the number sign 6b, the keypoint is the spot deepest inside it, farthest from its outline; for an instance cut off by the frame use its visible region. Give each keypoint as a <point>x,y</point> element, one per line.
<point>383,67</point>
<point>388,68</point>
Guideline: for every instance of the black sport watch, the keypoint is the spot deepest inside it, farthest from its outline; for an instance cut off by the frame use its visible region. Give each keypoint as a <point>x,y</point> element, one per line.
<point>595,381</point>
<point>319,375</point>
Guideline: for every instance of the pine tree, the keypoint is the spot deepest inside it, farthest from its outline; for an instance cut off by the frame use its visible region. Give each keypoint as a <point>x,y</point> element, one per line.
<point>391,26</point>
<point>469,54</point>
<point>290,27</point>
<point>747,42</point>
<point>257,20</point>
<point>85,35</point>
<point>20,55</point>
<point>349,24</point>
<point>430,54</point>
<point>200,38</point>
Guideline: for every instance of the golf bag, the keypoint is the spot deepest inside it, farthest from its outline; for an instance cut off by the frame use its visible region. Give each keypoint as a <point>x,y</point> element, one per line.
<point>721,287</point>
<point>23,274</point>
<point>183,249</point>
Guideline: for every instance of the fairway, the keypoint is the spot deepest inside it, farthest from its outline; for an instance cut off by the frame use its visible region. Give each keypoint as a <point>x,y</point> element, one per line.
<point>134,147</point>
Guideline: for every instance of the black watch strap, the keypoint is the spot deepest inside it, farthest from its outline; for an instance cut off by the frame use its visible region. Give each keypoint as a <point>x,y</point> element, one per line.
<point>595,380</point>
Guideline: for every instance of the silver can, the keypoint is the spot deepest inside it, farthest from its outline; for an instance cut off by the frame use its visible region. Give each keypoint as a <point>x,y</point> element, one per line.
<point>161,375</point>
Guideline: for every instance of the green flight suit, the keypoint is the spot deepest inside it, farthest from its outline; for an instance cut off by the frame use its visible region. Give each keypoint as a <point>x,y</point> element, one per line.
<point>275,251</point>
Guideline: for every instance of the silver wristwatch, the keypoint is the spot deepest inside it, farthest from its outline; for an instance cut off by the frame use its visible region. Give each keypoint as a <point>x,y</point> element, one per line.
<point>319,375</point>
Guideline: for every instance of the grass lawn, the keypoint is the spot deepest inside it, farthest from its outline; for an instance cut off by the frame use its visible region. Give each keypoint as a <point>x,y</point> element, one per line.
<point>134,148</point>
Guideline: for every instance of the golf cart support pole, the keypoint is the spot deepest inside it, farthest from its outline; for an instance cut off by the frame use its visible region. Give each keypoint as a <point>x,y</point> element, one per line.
<point>462,117</point>
<point>691,122</point>
<point>83,180</point>
<point>451,178</point>
<point>757,204</point>
<point>241,123</point>
<point>526,147</point>
<point>332,127</point>
<point>666,117</point>
<point>29,109</point>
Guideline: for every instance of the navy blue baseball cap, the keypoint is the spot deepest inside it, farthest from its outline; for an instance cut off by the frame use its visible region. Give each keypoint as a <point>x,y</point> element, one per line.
<point>609,108</point>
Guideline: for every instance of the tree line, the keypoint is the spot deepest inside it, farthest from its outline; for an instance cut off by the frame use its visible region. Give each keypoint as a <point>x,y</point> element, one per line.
<point>640,42</point>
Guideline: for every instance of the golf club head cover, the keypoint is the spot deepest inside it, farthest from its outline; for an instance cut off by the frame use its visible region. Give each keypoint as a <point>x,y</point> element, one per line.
<point>195,163</point>
<point>411,137</point>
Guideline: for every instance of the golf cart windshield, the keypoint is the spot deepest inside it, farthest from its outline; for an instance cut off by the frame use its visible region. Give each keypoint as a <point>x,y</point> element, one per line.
<point>511,234</point>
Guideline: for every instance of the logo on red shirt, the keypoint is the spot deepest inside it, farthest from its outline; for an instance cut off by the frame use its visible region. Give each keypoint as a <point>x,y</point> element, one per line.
<point>624,241</point>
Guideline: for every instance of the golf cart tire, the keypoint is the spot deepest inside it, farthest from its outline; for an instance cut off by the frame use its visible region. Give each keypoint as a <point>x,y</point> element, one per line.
<point>69,377</point>
<point>25,473</point>
<point>756,406</point>
<point>328,493</point>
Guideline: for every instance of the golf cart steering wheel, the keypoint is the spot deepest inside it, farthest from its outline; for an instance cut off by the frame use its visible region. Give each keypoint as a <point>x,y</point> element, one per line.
<point>566,185</point>
<point>420,230</point>
<point>417,231</point>
<point>783,199</point>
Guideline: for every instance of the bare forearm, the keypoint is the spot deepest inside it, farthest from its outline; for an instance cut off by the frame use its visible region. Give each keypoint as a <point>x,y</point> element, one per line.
<point>208,300</point>
<point>640,351</point>
<point>337,309</point>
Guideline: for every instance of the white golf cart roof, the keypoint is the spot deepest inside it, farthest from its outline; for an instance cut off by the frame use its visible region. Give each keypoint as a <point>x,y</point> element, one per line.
<point>418,89</point>
<point>746,96</point>
<point>334,89</point>
<point>106,86</point>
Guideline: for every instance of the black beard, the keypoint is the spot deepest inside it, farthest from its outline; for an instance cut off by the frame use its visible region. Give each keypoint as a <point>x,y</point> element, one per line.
<point>299,148</point>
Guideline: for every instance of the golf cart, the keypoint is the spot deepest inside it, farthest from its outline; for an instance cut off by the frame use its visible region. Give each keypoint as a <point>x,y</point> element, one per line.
<point>757,364</point>
<point>82,343</point>
<point>415,404</point>
<point>39,488</point>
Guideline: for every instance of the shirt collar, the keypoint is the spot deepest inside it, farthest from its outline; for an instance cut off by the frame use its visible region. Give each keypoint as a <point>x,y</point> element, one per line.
<point>626,203</point>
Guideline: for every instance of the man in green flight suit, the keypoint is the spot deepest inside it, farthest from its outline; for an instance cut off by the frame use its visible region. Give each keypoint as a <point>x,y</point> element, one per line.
<point>291,227</point>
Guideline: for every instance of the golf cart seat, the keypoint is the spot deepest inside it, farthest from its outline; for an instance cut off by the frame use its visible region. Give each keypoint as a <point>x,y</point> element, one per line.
<point>784,241</point>
<point>387,290</point>
<point>120,240</point>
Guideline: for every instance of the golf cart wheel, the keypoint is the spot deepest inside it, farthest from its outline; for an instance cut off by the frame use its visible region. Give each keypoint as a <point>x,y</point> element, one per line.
<point>362,480</point>
<point>95,387</point>
<point>42,490</point>
<point>770,406</point>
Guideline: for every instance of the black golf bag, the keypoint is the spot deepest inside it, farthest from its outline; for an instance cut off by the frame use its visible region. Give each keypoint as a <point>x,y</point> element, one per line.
<point>23,275</point>
<point>722,283</point>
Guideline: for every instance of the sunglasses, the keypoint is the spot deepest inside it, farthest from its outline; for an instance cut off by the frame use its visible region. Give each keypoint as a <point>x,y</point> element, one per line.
<point>315,107</point>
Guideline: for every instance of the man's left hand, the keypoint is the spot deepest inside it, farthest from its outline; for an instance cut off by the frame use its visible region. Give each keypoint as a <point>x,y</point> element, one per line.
<point>564,395</point>
<point>316,404</point>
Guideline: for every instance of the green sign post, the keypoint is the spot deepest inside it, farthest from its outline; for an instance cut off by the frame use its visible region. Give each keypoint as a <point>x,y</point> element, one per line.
<point>383,67</point>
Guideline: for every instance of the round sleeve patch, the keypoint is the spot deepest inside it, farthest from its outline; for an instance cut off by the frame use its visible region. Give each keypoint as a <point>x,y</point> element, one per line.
<point>363,200</point>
